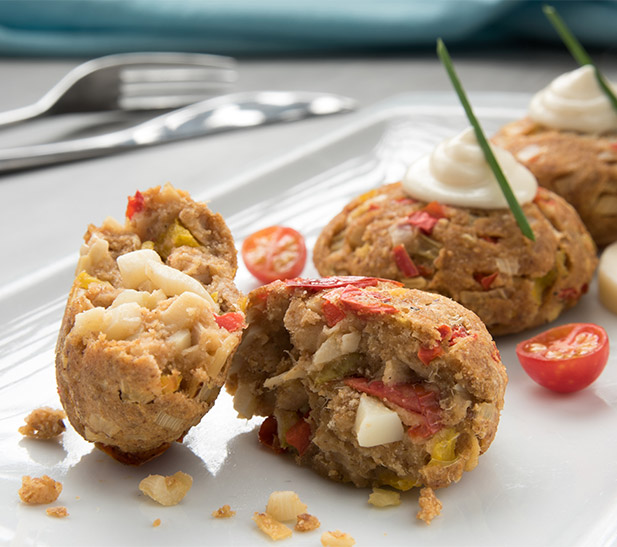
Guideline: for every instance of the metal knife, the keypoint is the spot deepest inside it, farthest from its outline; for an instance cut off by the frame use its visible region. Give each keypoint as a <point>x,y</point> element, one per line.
<point>222,113</point>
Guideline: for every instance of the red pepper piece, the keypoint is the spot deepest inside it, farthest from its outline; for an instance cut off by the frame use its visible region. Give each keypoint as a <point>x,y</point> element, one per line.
<point>135,204</point>
<point>427,354</point>
<point>231,321</point>
<point>332,313</point>
<point>365,302</point>
<point>404,262</point>
<point>415,398</point>
<point>435,209</point>
<point>423,220</point>
<point>569,293</point>
<point>299,436</point>
<point>459,331</point>
<point>485,280</point>
<point>268,435</point>
<point>336,281</point>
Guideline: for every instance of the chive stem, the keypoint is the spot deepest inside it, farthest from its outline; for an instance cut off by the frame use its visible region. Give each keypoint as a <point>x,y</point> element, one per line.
<point>578,51</point>
<point>513,203</point>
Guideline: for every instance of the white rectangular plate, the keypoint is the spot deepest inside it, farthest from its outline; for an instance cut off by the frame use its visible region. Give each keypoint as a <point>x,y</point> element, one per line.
<point>550,477</point>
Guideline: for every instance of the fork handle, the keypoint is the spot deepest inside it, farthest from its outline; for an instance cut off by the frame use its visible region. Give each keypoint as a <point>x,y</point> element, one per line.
<point>39,155</point>
<point>17,115</point>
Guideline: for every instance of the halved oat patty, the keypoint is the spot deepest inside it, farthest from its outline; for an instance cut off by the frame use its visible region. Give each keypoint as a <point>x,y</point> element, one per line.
<point>150,325</point>
<point>478,257</point>
<point>369,382</point>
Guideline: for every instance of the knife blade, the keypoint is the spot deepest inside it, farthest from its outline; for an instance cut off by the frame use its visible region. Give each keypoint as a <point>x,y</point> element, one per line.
<point>223,113</point>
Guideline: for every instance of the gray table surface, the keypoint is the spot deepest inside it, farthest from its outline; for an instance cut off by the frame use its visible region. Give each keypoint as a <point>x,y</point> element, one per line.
<point>88,191</point>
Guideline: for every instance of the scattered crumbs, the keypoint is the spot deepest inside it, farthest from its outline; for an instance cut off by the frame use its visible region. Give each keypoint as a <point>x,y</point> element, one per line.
<point>271,527</point>
<point>430,506</point>
<point>337,539</point>
<point>224,512</point>
<point>156,523</point>
<point>306,523</point>
<point>41,490</point>
<point>43,423</point>
<point>58,512</point>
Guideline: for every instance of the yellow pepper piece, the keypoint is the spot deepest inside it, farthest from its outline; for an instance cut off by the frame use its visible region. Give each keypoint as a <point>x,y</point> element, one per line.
<point>170,383</point>
<point>148,245</point>
<point>400,483</point>
<point>84,279</point>
<point>444,447</point>
<point>175,236</point>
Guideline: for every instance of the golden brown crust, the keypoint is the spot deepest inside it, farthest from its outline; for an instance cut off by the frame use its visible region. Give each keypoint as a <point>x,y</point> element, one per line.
<point>580,168</point>
<point>306,345</point>
<point>136,392</point>
<point>477,257</point>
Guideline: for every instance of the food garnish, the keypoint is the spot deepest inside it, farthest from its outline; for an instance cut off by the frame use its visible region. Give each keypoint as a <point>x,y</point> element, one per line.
<point>514,205</point>
<point>566,358</point>
<point>276,252</point>
<point>578,51</point>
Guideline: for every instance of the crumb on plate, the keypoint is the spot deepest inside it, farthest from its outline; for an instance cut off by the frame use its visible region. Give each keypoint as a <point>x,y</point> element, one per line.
<point>430,506</point>
<point>167,490</point>
<point>337,538</point>
<point>285,505</point>
<point>306,523</point>
<point>43,423</point>
<point>35,491</point>
<point>274,529</point>
<point>58,512</point>
<point>224,512</point>
<point>157,522</point>
<point>380,497</point>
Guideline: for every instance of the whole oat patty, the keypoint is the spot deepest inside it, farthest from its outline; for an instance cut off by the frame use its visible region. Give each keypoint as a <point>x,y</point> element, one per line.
<point>323,359</point>
<point>478,257</point>
<point>580,168</point>
<point>151,322</point>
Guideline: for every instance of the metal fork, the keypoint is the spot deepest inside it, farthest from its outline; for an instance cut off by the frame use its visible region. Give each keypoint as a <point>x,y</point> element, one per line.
<point>132,81</point>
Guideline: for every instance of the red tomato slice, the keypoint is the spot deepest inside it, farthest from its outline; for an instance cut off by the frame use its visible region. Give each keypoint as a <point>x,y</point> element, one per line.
<point>565,358</point>
<point>277,252</point>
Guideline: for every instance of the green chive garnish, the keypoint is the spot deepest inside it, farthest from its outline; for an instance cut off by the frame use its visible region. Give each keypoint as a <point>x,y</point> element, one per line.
<point>577,50</point>
<point>514,205</point>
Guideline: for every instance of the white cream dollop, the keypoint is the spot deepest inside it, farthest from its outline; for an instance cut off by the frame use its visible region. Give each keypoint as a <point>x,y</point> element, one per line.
<point>574,101</point>
<point>456,173</point>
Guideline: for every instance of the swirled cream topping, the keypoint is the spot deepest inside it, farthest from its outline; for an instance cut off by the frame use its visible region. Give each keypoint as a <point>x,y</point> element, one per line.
<point>456,173</point>
<point>574,101</point>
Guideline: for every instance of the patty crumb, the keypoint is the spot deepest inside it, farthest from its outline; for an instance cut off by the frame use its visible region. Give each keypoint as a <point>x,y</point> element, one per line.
<point>306,523</point>
<point>43,423</point>
<point>156,523</point>
<point>224,512</point>
<point>58,512</point>
<point>430,506</point>
<point>337,539</point>
<point>36,490</point>
<point>271,527</point>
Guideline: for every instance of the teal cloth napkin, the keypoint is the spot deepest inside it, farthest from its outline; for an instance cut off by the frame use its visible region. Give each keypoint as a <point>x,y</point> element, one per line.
<point>86,28</point>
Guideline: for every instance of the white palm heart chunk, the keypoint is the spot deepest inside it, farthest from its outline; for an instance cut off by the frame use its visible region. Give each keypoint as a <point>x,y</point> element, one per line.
<point>376,424</point>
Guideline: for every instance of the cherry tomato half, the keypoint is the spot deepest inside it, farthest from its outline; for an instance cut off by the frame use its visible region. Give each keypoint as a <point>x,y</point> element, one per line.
<point>277,252</point>
<point>565,358</point>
